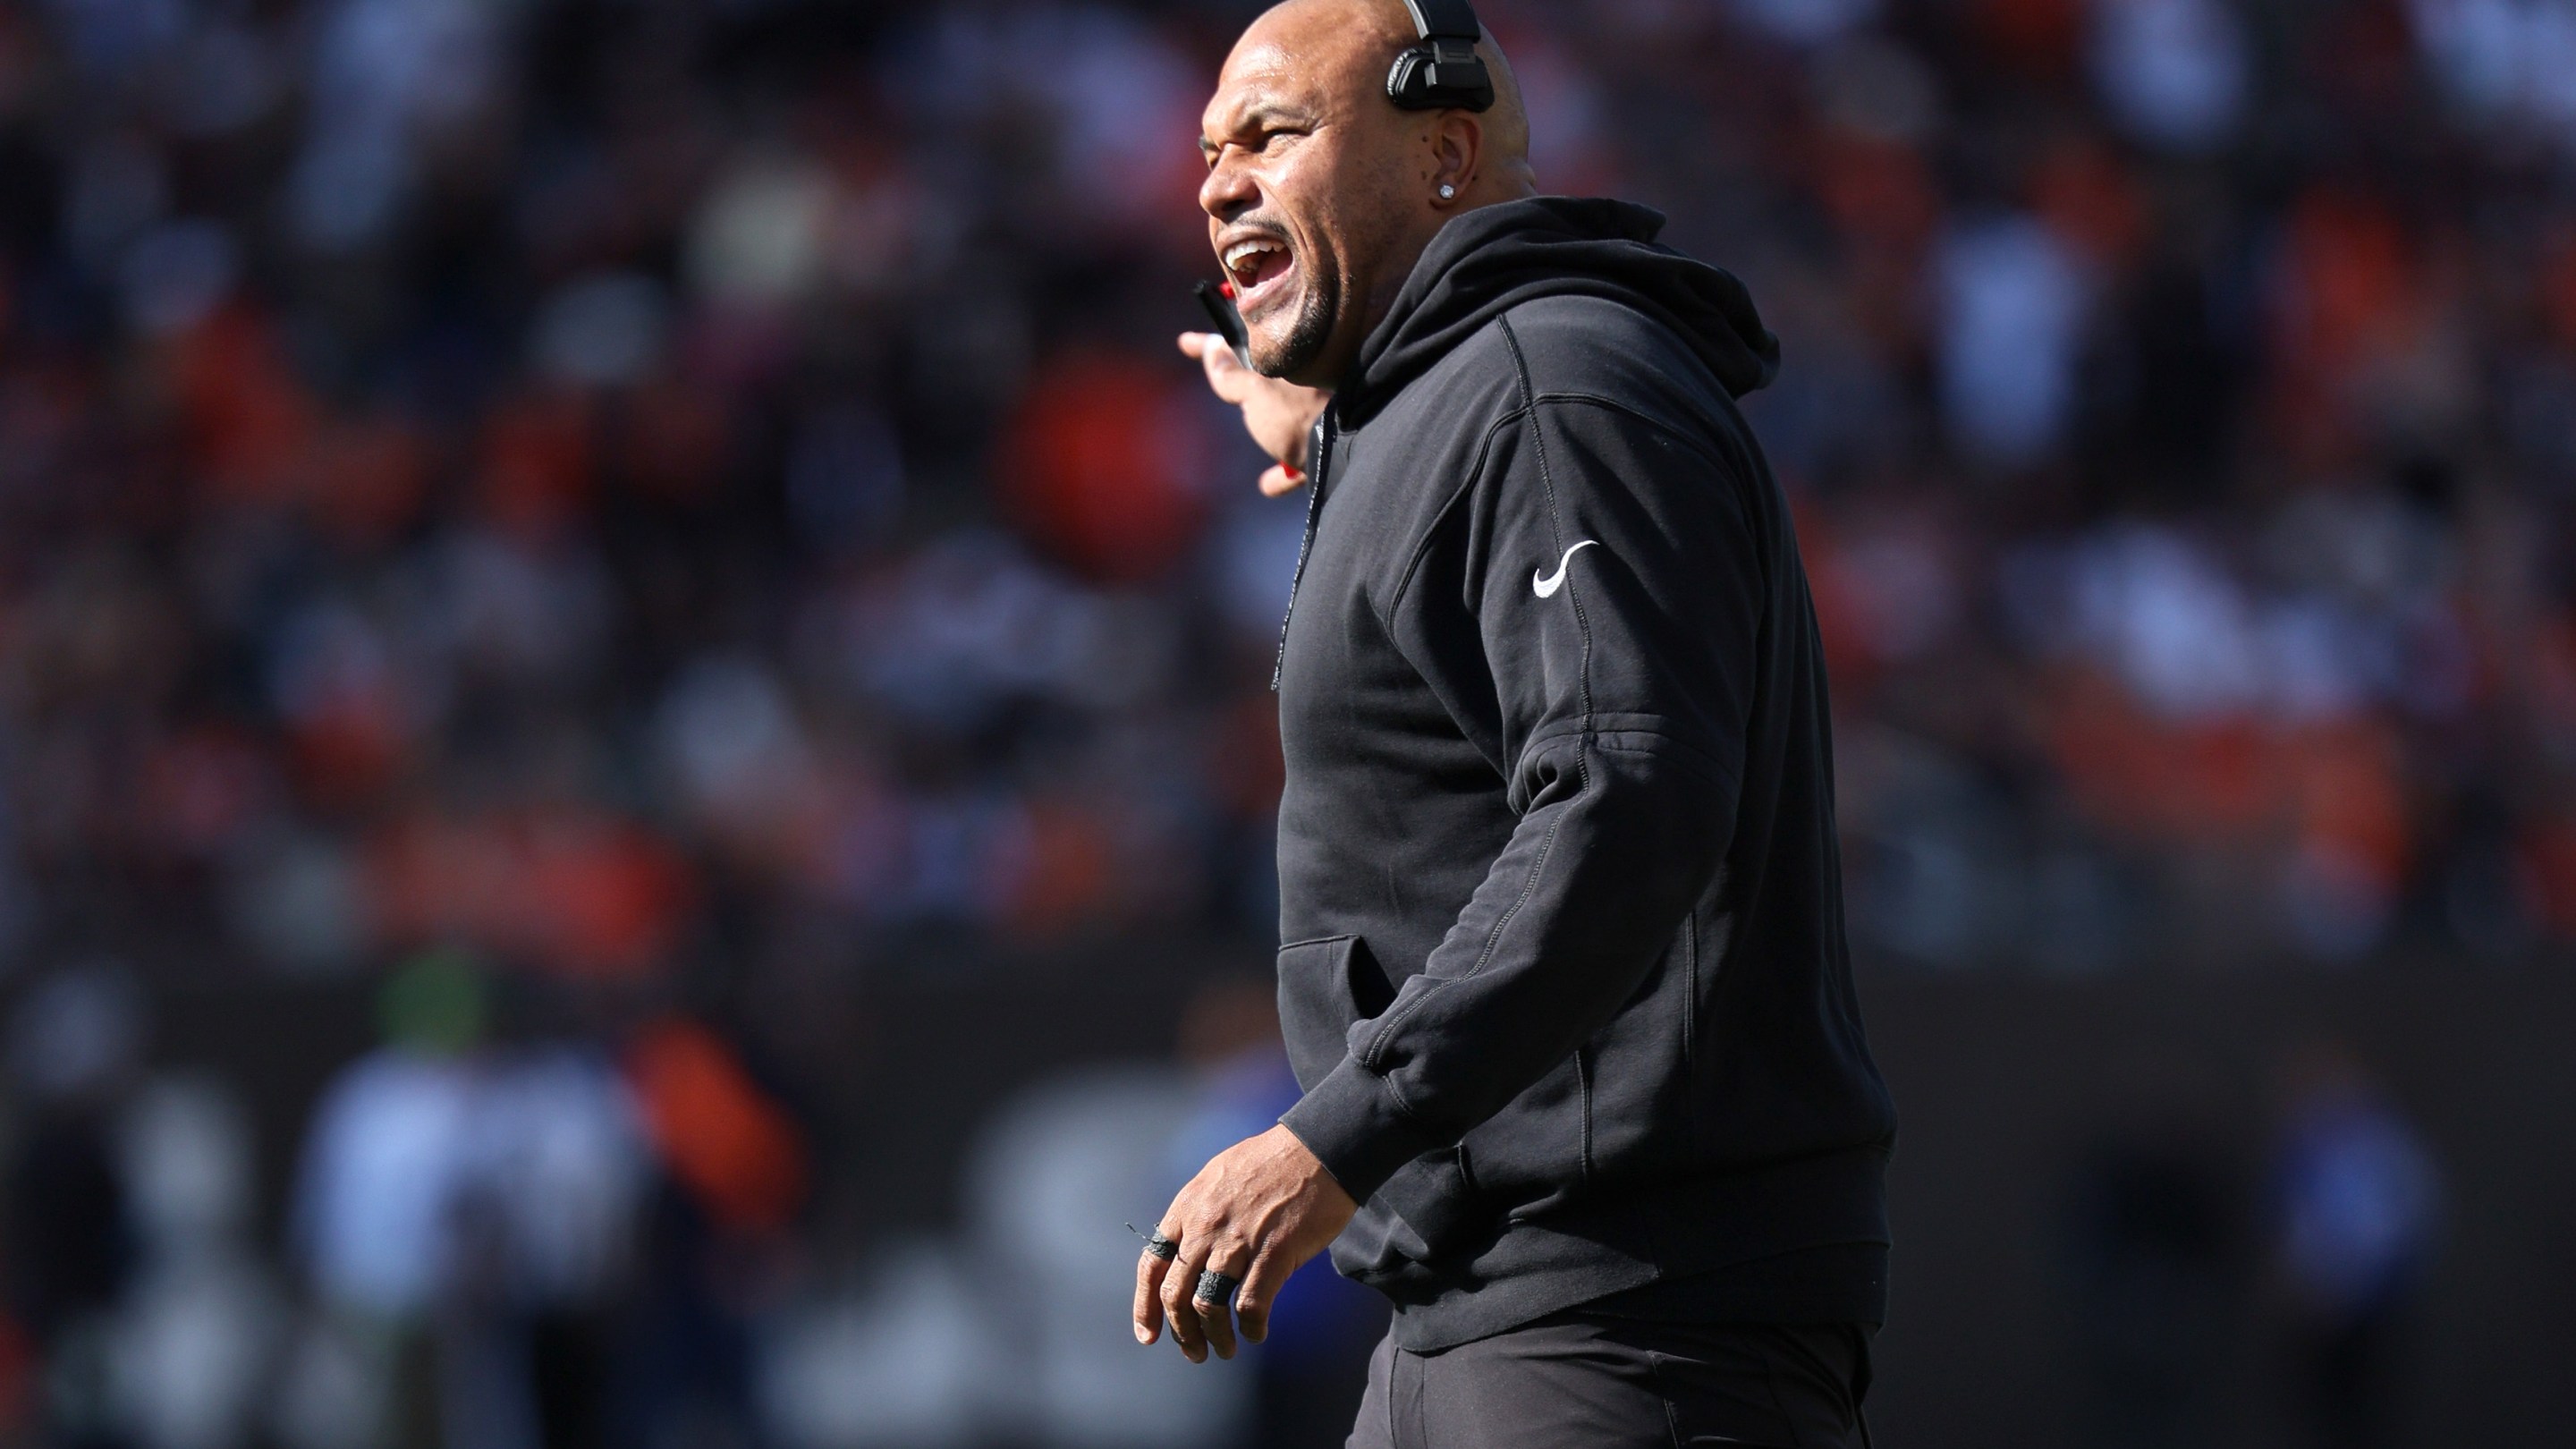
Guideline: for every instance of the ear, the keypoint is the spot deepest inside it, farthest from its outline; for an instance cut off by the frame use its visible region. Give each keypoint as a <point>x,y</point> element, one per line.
<point>1457,155</point>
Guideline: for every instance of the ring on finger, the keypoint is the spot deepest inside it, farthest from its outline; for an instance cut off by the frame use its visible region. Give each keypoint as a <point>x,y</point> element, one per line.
<point>1215,1288</point>
<point>1161,1247</point>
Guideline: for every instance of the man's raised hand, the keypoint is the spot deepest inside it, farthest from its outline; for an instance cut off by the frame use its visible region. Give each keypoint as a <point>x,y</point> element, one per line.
<point>1279,415</point>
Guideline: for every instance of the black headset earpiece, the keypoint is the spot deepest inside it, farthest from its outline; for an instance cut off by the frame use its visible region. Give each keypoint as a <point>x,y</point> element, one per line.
<point>1443,70</point>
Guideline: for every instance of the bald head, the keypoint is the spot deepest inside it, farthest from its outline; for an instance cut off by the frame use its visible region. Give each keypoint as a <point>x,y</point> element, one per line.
<point>1321,193</point>
<point>1351,44</point>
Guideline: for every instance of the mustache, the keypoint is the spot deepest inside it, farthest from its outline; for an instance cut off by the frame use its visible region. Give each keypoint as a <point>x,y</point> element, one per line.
<point>1233,231</point>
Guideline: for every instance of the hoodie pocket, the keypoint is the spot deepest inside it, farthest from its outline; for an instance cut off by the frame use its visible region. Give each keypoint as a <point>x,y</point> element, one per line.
<point>1326,987</point>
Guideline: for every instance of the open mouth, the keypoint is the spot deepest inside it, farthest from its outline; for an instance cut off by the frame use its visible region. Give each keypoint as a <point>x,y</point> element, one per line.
<point>1259,267</point>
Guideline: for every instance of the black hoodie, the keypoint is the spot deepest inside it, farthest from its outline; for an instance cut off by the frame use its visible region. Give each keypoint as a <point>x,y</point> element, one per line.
<point>1565,980</point>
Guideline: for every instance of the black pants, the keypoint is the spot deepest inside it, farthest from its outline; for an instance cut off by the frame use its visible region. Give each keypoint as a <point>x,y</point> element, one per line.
<point>1585,1381</point>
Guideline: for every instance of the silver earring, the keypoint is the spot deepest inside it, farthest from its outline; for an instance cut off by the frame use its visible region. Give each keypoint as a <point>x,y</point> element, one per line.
<point>1448,192</point>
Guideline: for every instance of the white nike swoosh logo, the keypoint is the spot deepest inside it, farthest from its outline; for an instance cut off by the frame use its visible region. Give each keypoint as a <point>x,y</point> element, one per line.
<point>1546,585</point>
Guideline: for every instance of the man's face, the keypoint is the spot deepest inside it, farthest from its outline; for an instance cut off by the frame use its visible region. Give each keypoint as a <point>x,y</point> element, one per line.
<point>1298,197</point>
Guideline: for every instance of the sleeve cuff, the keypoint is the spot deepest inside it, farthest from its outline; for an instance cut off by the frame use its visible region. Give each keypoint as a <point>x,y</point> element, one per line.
<point>1352,1124</point>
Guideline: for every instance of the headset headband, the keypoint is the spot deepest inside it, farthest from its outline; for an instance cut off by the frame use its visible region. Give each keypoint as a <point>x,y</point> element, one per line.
<point>1445,20</point>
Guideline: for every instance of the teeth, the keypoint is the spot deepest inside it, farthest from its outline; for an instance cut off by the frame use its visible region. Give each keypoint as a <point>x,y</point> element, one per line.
<point>1240,255</point>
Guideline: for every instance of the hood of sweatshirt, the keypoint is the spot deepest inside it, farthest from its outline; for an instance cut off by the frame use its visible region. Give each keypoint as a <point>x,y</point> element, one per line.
<point>1496,257</point>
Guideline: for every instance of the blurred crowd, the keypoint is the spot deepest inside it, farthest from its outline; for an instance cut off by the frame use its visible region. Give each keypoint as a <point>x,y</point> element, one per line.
<point>648,492</point>
<point>524,1222</point>
<point>599,480</point>
<point>2176,400</point>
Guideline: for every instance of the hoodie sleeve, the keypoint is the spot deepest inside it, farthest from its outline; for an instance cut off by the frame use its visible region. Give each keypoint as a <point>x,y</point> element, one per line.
<point>1591,615</point>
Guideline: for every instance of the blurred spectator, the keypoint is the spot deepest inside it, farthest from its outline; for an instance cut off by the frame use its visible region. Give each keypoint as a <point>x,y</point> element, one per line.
<point>197,1336</point>
<point>1107,465</point>
<point>2174,73</point>
<point>730,1178</point>
<point>548,1201</point>
<point>1053,1180</point>
<point>2157,1263</point>
<point>133,1284</point>
<point>2012,300</point>
<point>75,1045</point>
<point>2359,1202</point>
<point>375,1218</point>
<point>904,1357</point>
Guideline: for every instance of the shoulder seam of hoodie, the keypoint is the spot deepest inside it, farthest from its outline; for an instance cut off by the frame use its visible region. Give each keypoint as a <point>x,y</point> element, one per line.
<point>1611,404</point>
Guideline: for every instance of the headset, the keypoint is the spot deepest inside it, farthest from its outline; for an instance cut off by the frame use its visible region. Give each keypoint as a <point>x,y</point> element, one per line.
<point>1442,72</point>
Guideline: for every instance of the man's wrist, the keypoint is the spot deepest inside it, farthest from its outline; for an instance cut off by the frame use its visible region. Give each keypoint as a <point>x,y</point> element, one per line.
<point>1354,1126</point>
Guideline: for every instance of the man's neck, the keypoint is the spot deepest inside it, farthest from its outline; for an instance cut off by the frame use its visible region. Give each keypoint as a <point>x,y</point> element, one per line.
<point>1385,286</point>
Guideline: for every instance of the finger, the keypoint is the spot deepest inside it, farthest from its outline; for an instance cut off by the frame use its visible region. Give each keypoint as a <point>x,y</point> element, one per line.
<point>1213,353</point>
<point>1178,1279</point>
<point>1216,1318</point>
<point>1278,482</point>
<point>1149,1297</point>
<point>1260,1289</point>
<point>1216,356</point>
<point>1227,377</point>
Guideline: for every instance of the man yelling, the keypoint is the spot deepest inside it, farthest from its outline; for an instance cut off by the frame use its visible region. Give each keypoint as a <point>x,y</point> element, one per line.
<point>1585,1088</point>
